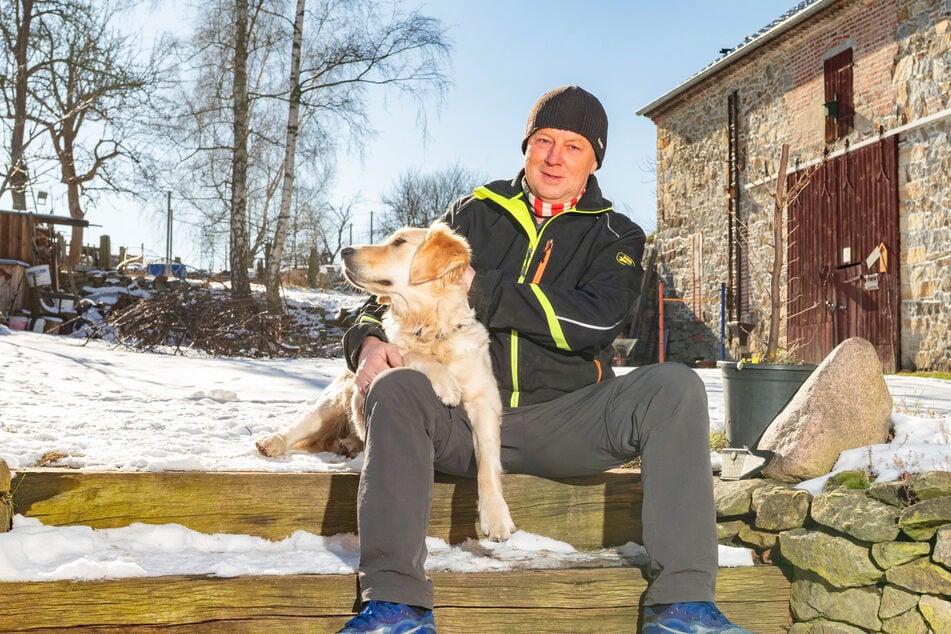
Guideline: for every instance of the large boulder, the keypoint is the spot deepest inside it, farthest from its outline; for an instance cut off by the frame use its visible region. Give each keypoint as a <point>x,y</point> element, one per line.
<point>844,404</point>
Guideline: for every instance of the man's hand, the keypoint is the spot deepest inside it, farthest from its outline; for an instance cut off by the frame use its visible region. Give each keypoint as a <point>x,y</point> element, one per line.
<point>375,356</point>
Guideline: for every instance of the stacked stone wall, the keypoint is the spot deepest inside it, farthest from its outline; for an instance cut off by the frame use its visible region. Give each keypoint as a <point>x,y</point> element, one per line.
<point>862,558</point>
<point>902,64</point>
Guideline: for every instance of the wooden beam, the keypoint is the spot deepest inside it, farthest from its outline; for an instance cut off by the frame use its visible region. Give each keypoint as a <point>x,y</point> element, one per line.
<point>575,600</point>
<point>6,501</point>
<point>591,512</point>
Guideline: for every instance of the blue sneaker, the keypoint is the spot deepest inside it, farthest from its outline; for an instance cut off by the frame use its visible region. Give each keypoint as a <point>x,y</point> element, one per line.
<point>690,618</point>
<point>380,617</point>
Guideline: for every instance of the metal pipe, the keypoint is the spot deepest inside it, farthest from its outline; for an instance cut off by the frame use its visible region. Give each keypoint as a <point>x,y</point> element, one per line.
<point>660,317</point>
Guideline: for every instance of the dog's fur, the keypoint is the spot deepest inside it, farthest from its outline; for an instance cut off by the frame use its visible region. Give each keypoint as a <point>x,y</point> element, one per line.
<point>418,273</point>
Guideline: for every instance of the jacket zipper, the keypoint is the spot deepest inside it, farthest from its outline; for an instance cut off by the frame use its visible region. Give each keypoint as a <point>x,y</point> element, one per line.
<point>544,262</point>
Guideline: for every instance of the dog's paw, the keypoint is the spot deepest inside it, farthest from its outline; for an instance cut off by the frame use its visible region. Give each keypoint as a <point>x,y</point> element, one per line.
<point>349,446</point>
<point>495,521</point>
<point>272,446</point>
<point>447,389</point>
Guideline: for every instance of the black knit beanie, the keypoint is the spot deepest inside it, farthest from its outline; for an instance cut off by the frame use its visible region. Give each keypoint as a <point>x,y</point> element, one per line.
<point>574,109</point>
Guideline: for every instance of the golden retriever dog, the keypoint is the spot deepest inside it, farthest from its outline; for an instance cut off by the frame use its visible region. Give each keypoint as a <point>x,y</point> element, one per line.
<point>418,274</point>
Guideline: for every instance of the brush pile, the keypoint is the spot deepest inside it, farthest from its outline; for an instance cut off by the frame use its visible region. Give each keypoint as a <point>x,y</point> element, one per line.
<point>173,317</point>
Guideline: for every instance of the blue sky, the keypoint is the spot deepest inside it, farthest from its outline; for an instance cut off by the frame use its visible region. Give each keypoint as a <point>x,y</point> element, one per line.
<point>506,53</point>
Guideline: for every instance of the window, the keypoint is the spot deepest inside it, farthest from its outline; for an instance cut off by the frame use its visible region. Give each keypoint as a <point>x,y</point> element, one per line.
<point>838,95</point>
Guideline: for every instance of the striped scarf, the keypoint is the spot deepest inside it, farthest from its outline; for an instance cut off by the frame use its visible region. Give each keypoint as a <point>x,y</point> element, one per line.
<point>546,210</point>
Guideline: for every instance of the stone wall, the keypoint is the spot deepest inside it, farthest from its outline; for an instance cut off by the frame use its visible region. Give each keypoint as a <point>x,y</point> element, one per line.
<point>902,85</point>
<point>862,558</point>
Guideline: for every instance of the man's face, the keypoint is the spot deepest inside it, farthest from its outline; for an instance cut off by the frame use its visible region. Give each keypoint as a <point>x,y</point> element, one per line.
<point>557,164</point>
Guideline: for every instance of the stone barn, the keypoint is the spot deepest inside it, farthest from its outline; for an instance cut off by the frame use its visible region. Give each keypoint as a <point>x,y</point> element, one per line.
<point>860,92</point>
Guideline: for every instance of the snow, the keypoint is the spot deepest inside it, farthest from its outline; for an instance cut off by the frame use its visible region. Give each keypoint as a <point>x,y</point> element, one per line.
<point>90,405</point>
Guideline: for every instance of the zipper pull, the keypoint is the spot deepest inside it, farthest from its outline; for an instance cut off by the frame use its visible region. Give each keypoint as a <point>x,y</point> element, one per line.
<point>544,261</point>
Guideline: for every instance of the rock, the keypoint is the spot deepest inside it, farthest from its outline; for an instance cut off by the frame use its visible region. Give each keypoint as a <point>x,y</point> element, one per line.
<point>726,531</point>
<point>822,626</point>
<point>910,622</point>
<point>779,509</point>
<point>856,514</point>
<point>921,521</point>
<point>735,497</point>
<point>931,485</point>
<point>854,606</point>
<point>851,480</point>
<point>937,613</point>
<point>799,592</point>
<point>942,547</point>
<point>890,554</point>
<point>761,540</point>
<point>896,601</point>
<point>920,576</point>
<point>840,562</point>
<point>844,404</point>
<point>894,493</point>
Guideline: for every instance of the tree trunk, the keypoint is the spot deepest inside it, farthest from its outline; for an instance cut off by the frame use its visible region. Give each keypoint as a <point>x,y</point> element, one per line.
<point>273,282</point>
<point>779,247</point>
<point>18,175</point>
<point>240,254</point>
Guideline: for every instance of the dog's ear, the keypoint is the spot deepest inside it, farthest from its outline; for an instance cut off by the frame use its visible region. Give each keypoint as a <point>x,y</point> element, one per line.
<point>443,253</point>
<point>383,300</point>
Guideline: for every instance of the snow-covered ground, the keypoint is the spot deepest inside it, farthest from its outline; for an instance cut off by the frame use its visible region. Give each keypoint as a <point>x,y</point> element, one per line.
<point>90,405</point>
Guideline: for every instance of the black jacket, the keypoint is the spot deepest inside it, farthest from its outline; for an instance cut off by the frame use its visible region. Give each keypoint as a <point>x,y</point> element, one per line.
<point>553,296</point>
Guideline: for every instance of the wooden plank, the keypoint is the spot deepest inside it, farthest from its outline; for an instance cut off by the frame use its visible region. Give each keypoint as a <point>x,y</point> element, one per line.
<point>591,512</point>
<point>576,600</point>
<point>6,501</point>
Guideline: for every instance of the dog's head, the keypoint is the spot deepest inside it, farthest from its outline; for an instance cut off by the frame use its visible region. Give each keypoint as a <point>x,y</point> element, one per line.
<point>411,263</point>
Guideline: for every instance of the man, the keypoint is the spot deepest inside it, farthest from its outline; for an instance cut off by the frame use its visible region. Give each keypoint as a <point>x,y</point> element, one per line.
<point>554,273</point>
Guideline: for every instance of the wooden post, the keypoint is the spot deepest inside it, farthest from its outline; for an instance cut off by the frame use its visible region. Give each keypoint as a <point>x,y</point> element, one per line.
<point>105,252</point>
<point>313,266</point>
<point>6,500</point>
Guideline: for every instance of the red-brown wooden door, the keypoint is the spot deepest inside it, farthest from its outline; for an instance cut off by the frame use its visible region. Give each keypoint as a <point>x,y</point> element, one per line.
<point>843,255</point>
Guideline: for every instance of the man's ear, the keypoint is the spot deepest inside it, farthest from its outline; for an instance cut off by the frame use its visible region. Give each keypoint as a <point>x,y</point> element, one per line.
<point>442,253</point>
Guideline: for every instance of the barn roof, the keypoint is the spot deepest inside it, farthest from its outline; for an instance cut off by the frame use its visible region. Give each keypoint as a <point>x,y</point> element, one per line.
<point>796,15</point>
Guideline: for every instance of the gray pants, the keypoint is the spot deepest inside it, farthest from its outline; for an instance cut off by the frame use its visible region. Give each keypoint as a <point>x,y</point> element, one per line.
<point>658,412</point>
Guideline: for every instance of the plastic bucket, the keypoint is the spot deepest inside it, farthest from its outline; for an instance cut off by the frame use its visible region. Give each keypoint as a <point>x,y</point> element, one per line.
<point>38,276</point>
<point>755,394</point>
<point>18,323</point>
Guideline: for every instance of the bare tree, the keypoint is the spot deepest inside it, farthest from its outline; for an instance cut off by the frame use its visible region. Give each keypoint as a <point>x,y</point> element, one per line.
<point>240,255</point>
<point>273,279</point>
<point>84,85</point>
<point>13,85</point>
<point>334,230</point>
<point>417,199</point>
<point>217,161</point>
<point>354,47</point>
<point>348,48</point>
